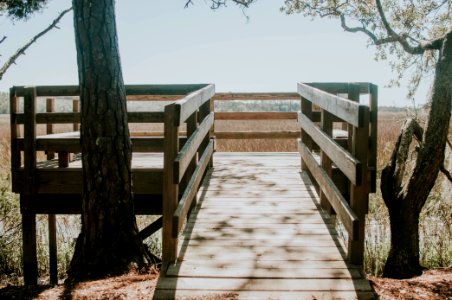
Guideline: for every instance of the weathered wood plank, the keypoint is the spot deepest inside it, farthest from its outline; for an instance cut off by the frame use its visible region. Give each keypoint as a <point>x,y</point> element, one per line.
<point>249,271</point>
<point>246,284</point>
<point>248,295</point>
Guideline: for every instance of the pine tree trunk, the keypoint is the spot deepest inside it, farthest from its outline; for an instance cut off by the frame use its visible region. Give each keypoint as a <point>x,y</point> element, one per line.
<point>108,243</point>
<point>405,195</point>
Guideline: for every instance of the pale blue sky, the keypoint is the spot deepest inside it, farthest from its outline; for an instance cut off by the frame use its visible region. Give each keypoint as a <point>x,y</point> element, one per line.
<point>161,42</point>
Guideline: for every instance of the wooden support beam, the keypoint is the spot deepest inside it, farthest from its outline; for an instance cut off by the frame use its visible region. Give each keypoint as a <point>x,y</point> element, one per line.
<point>30,261</point>
<point>151,228</point>
<point>50,107</point>
<point>53,257</point>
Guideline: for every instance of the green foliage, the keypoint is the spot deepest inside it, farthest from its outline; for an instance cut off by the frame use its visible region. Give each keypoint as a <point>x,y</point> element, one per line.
<point>4,103</point>
<point>413,24</point>
<point>21,9</point>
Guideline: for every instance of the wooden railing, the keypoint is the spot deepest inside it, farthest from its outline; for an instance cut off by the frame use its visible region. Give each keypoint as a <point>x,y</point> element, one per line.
<point>256,115</point>
<point>182,168</point>
<point>346,172</point>
<point>41,183</point>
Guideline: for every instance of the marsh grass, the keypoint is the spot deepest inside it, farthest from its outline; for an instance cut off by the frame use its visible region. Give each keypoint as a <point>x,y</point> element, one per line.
<point>435,228</point>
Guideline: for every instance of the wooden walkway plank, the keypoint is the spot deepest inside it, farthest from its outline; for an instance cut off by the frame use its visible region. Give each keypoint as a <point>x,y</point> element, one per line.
<point>257,233</point>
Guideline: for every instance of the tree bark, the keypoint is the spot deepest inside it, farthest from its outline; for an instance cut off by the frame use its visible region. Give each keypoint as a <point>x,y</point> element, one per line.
<point>109,243</point>
<point>405,198</point>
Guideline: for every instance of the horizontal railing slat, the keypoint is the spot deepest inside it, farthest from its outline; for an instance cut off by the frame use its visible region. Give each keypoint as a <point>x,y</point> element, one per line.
<point>347,110</point>
<point>73,117</point>
<point>257,135</point>
<point>349,165</point>
<point>190,148</point>
<point>256,96</point>
<point>255,116</point>
<point>339,87</point>
<point>337,201</point>
<point>191,190</point>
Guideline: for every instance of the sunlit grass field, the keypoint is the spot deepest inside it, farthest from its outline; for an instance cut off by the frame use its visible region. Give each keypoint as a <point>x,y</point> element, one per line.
<point>435,228</point>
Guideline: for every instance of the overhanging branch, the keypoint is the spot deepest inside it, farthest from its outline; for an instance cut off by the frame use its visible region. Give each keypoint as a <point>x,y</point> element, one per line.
<point>21,50</point>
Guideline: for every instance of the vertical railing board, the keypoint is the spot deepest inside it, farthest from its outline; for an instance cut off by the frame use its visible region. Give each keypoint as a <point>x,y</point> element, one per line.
<point>30,139</point>
<point>373,89</point>
<point>204,111</point>
<point>359,193</point>
<point>192,125</point>
<point>30,262</point>
<point>75,108</point>
<point>53,257</point>
<point>50,107</point>
<point>306,109</point>
<point>170,189</point>
<point>15,130</point>
<point>327,127</point>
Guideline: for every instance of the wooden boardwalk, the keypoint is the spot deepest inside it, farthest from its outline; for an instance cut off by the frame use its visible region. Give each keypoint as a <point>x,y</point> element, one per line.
<point>257,233</point>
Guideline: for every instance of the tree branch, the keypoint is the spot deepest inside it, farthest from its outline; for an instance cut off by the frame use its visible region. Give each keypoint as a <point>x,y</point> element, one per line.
<point>3,39</point>
<point>446,173</point>
<point>20,51</point>
<point>402,38</point>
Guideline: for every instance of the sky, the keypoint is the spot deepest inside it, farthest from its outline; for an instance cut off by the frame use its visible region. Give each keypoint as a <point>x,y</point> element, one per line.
<point>161,42</point>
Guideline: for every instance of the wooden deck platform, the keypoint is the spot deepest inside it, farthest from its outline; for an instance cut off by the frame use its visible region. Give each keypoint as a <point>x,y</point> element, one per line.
<point>257,233</point>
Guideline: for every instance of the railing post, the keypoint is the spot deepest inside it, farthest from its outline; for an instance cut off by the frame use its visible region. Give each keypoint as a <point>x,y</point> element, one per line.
<point>170,189</point>
<point>373,90</point>
<point>326,124</point>
<point>359,194</point>
<point>53,260</point>
<point>192,125</point>
<point>204,111</point>
<point>30,262</point>
<point>75,109</point>
<point>50,107</point>
<point>306,109</point>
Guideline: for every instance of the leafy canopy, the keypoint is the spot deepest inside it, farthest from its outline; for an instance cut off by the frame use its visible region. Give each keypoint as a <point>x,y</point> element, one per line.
<point>20,9</point>
<point>404,31</point>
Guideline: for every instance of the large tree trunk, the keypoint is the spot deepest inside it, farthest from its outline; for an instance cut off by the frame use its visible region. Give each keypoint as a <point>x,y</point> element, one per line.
<point>108,243</point>
<point>405,195</point>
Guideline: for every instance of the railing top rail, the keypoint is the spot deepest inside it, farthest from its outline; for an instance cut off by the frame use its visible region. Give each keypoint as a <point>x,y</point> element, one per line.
<point>347,110</point>
<point>340,87</point>
<point>131,89</point>
<point>256,96</point>
<point>186,106</point>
